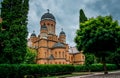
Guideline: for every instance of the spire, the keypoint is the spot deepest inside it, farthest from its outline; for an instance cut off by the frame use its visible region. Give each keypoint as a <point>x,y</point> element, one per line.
<point>48,10</point>
<point>33,31</point>
<point>61,29</point>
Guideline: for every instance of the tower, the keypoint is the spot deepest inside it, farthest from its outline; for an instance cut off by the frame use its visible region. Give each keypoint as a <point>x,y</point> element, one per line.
<point>32,40</point>
<point>48,20</point>
<point>62,37</point>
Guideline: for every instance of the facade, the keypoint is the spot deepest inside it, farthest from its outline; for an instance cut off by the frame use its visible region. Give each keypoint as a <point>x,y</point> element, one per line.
<point>53,49</point>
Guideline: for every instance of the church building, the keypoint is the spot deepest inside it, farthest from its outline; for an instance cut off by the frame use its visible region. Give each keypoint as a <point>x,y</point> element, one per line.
<point>53,49</point>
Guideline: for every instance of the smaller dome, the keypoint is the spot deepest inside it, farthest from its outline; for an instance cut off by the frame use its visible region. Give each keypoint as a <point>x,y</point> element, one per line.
<point>33,34</point>
<point>59,45</point>
<point>43,27</point>
<point>62,32</point>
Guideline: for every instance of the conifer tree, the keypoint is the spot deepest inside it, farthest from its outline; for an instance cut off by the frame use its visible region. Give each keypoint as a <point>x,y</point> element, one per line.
<point>14,41</point>
<point>82,17</point>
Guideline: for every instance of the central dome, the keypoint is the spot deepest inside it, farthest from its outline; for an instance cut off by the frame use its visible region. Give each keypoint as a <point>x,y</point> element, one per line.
<point>48,16</point>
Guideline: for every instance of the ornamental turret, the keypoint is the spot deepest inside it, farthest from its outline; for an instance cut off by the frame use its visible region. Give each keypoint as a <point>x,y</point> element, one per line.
<point>62,37</point>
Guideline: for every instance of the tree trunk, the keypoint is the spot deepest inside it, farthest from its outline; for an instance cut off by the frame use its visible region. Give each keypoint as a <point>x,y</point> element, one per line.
<point>104,65</point>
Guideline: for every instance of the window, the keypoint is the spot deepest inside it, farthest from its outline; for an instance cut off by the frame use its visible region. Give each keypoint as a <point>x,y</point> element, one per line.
<point>55,54</point>
<point>83,57</point>
<point>51,24</point>
<point>59,54</point>
<point>63,54</point>
<point>43,23</point>
<point>48,24</point>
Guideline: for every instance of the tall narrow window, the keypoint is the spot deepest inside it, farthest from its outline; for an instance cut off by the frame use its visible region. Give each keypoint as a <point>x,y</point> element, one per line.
<point>63,54</point>
<point>59,55</point>
<point>56,54</point>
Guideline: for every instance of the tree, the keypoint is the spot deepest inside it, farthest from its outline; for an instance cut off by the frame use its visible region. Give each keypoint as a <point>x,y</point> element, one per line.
<point>100,36</point>
<point>82,17</point>
<point>89,59</point>
<point>14,37</point>
<point>30,57</point>
<point>114,58</point>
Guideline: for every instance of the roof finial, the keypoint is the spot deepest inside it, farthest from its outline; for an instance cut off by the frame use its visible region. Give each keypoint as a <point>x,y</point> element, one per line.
<point>48,10</point>
<point>33,31</point>
<point>61,29</point>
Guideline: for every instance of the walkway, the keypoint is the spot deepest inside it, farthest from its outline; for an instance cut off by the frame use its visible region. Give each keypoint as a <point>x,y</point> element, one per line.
<point>113,74</point>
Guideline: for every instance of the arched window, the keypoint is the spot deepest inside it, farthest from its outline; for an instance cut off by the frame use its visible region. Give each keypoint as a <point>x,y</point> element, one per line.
<point>51,24</point>
<point>45,54</point>
<point>59,54</point>
<point>55,54</point>
<point>48,24</point>
<point>63,54</point>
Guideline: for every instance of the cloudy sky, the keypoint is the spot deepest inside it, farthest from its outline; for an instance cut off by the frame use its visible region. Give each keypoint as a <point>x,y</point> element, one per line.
<point>66,13</point>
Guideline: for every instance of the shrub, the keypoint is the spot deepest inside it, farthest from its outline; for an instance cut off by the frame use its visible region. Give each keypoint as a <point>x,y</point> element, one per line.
<point>94,67</point>
<point>19,71</point>
<point>80,68</point>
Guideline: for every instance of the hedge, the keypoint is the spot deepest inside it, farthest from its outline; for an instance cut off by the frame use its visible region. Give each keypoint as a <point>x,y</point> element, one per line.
<point>22,70</point>
<point>94,67</point>
<point>19,71</point>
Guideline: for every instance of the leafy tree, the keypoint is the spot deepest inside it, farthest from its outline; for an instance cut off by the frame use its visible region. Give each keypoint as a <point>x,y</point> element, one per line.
<point>30,56</point>
<point>82,17</point>
<point>89,60</point>
<point>114,58</point>
<point>13,38</point>
<point>100,36</point>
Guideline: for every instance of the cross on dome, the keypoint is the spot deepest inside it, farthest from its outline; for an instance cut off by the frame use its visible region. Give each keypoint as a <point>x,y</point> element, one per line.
<point>61,29</point>
<point>48,10</point>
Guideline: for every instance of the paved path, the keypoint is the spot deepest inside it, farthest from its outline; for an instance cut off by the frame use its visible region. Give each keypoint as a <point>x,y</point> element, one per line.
<point>114,74</point>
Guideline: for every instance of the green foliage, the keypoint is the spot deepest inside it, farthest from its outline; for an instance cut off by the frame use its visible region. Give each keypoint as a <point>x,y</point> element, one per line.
<point>89,59</point>
<point>30,56</point>
<point>94,67</point>
<point>82,17</point>
<point>19,71</point>
<point>114,58</point>
<point>100,36</point>
<point>13,40</point>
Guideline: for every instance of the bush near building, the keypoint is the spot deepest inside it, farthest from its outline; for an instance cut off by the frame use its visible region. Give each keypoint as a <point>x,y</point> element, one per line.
<point>35,70</point>
<point>19,71</point>
<point>94,68</point>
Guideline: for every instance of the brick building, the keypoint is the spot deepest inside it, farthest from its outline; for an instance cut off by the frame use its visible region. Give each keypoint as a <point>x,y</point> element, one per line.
<point>53,49</point>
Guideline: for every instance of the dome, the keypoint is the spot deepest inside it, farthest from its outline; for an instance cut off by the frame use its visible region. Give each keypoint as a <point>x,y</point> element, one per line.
<point>43,27</point>
<point>62,32</point>
<point>48,16</point>
<point>33,34</point>
<point>59,45</point>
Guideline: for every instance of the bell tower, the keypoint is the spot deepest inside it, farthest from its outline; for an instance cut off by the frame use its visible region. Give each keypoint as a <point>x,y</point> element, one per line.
<point>48,20</point>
